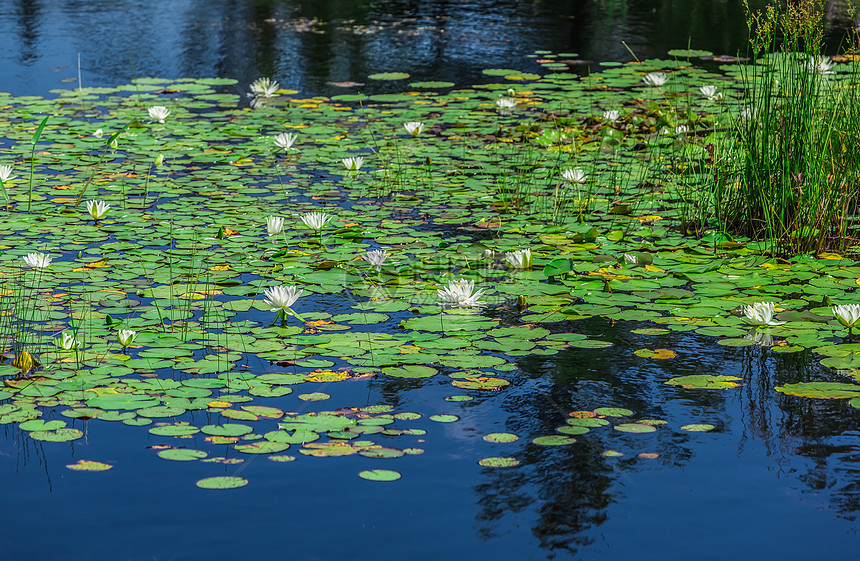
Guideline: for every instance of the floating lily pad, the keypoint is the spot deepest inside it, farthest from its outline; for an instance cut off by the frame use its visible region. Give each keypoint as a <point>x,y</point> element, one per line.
<point>389,76</point>
<point>634,428</point>
<point>697,427</point>
<point>501,437</point>
<point>58,435</point>
<point>222,482</point>
<point>498,462</point>
<point>554,440</point>
<point>821,390</point>
<point>613,412</point>
<point>379,475</point>
<point>89,465</point>
<point>182,454</point>
<point>705,382</point>
<point>444,418</point>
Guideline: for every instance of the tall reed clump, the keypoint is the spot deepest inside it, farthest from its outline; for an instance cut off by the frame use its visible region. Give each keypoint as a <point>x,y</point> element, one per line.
<point>790,171</point>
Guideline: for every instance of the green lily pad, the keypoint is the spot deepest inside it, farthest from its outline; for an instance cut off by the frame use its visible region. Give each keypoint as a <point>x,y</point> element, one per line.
<point>705,382</point>
<point>182,454</point>
<point>379,475</point>
<point>498,462</point>
<point>222,482</point>
<point>821,390</point>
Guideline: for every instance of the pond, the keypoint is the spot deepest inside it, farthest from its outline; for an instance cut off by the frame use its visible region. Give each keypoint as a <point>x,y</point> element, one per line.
<point>419,387</point>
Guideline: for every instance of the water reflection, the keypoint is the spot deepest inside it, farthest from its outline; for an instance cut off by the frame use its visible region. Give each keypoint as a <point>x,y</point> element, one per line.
<point>308,45</point>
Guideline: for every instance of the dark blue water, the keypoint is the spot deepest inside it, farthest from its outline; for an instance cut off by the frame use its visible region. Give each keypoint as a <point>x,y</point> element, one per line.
<point>777,478</point>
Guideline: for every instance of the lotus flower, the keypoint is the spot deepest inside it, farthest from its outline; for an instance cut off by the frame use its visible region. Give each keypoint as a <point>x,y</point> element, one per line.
<point>158,113</point>
<point>264,87</point>
<point>5,173</point>
<point>274,225</point>
<point>712,93</point>
<point>97,209</point>
<point>847,314</point>
<point>460,293</point>
<point>316,220</point>
<point>655,79</point>
<point>37,260</point>
<point>414,127</point>
<point>760,314</point>
<point>575,175</point>
<point>285,140</point>
<point>375,257</point>
<point>353,164</point>
<point>520,259</point>
<point>611,115</point>
<point>126,337</point>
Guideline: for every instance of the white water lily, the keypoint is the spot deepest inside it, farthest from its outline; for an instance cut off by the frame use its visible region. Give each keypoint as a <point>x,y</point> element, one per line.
<point>37,260</point>
<point>353,164</point>
<point>611,115</point>
<point>158,113</point>
<point>274,225</point>
<point>681,129</point>
<point>281,298</point>
<point>285,140</point>
<point>575,175</point>
<point>264,87</point>
<point>414,127</point>
<point>521,258</point>
<point>68,342</point>
<point>6,173</point>
<point>460,293</point>
<point>847,314</point>
<point>506,103</point>
<point>712,93</point>
<point>99,133</point>
<point>749,113</point>
<point>821,65</point>
<point>97,209</point>
<point>126,337</point>
<point>375,257</point>
<point>316,220</point>
<point>760,314</point>
<point>655,79</point>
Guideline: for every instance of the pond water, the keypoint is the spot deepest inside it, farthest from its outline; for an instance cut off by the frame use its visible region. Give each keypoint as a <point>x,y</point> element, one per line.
<point>550,423</point>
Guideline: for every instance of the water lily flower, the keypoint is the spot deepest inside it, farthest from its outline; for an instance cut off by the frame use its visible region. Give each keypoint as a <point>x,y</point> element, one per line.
<point>611,115</point>
<point>5,173</point>
<point>681,129</point>
<point>375,257</point>
<point>274,225</point>
<point>575,175</point>
<point>126,337</point>
<point>712,93</point>
<point>749,113</point>
<point>264,87</point>
<point>285,140</point>
<point>520,259</point>
<point>414,127</point>
<point>97,209</point>
<point>99,133</point>
<point>490,254</point>
<point>461,293</point>
<point>820,64</point>
<point>316,220</point>
<point>37,260</point>
<point>655,79</point>
<point>760,314</point>
<point>847,314</point>
<point>281,298</point>
<point>353,164</point>
<point>506,103</point>
<point>158,113</point>
<point>67,342</point>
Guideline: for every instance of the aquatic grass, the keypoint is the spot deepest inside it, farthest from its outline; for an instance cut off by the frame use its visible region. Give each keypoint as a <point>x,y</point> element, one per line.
<point>790,172</point>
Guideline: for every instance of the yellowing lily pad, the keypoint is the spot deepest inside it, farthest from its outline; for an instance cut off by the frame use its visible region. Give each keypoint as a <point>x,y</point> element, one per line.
<point>89,465</point>
<point>705,382</point>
